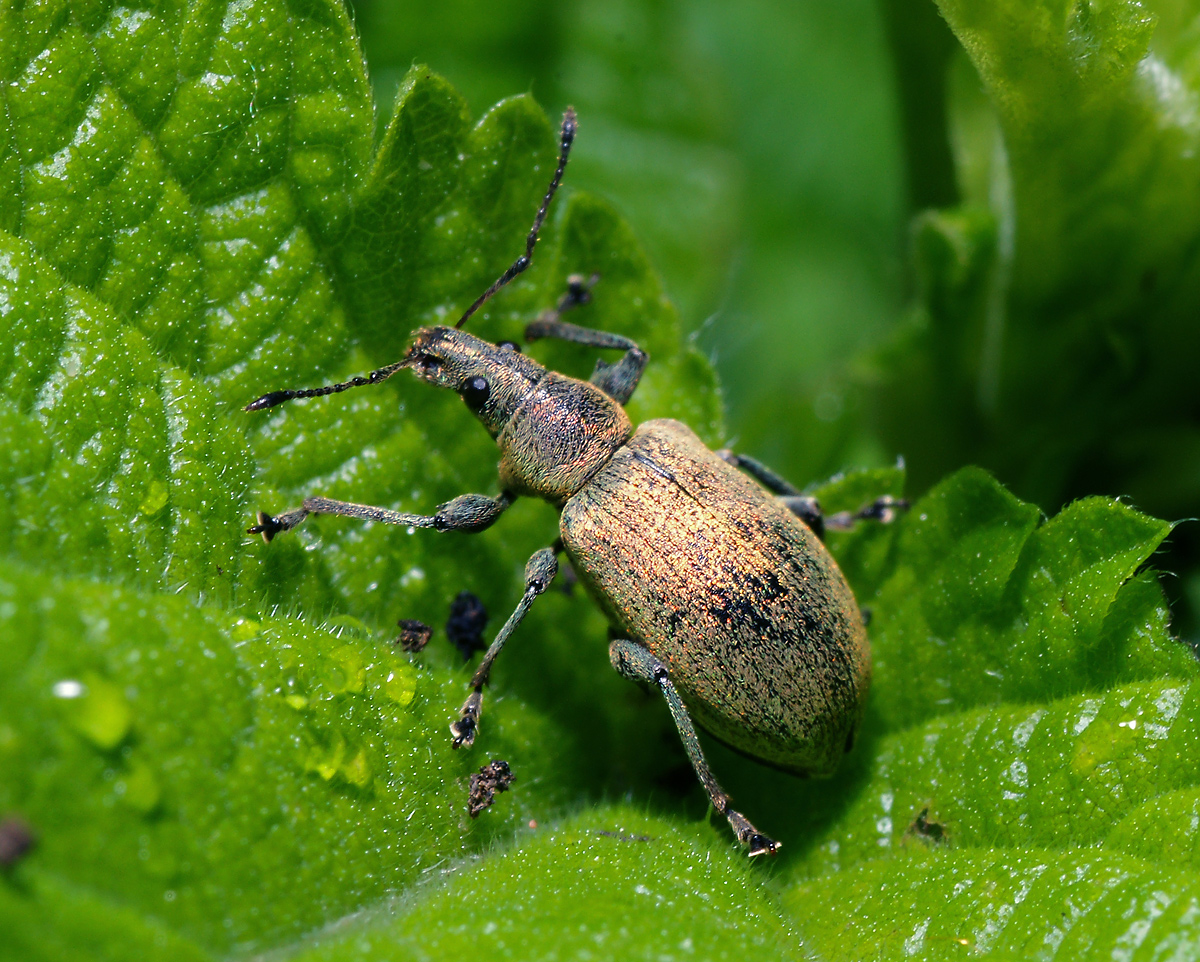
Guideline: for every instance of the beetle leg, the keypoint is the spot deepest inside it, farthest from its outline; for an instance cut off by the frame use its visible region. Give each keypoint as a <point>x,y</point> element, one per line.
<point>467,512</point>
<point>806,507</point>
<point>539,572</point>
<point>883,509</point>
<point>775,483</point>
<point>618,380</point>
<point>634,662</point>
<point>803,506</point>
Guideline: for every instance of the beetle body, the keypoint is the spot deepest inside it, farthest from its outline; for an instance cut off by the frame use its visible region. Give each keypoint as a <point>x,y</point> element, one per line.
<point>687,556</point>
<point>720,595</point>
<point>730,591</point>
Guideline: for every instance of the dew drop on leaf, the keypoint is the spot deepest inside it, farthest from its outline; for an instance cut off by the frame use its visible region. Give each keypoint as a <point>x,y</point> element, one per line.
<point>97,710</point>
<point>344,670</point>
<point>401,685</point>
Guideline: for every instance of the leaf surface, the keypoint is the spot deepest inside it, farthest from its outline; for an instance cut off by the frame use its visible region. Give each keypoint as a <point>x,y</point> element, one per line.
<point>214,741</point>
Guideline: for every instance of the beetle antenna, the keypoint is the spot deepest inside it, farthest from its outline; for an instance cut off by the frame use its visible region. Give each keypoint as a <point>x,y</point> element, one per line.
<point>569,126</point>
<point>278,397</point>
<point>566,138</point>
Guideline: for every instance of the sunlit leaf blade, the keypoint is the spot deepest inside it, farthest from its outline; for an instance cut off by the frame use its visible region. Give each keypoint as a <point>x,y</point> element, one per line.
<point>252,779</point>
<point>1062,773</point>
<point>1082,904</point>
<point>983,605</point>
<point>613,881</point>
<point>213,740</point>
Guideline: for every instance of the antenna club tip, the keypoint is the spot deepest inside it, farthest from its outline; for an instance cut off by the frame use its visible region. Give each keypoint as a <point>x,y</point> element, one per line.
<point>570,124</point>
<point>268,401</point>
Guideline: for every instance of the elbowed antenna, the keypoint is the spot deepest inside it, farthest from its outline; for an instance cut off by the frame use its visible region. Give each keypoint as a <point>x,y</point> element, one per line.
<point>569,126</point>
<point>566,138</point>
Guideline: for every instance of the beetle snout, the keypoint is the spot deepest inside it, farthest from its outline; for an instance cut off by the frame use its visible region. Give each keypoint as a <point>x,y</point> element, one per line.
<point>423,363</point>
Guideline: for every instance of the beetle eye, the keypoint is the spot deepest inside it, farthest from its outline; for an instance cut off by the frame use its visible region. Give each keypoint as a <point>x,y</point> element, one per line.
<point>475,391</point>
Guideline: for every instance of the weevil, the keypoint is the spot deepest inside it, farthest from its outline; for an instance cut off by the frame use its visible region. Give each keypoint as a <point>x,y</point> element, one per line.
<point>709,566</point>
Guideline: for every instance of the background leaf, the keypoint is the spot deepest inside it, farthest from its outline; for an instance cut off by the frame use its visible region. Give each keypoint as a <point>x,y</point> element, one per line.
<point>213,741</point>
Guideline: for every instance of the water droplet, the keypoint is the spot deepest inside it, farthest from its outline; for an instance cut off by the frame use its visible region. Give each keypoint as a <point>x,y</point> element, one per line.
<point>97,710</point>
<point>245,629</point>
<point>401,685</point>
<point>68,688</point>
<point>344,670</point>
<point>357,770</point>
<point>326,761</point>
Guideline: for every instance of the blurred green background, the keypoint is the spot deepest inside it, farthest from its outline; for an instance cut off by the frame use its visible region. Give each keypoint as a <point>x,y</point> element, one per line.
<point>885,253</point>
<point>754,147</point>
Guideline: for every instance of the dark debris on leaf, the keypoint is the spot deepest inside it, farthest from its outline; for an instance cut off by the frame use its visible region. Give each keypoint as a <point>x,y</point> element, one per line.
<point>16,840</point>
<point>465,626</point>
<point>926,829</point>
<point>414,635</point>
<point>494,777</point>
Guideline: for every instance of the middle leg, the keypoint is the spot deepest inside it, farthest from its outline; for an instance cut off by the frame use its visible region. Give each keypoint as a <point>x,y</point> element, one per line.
<point>539,572</point>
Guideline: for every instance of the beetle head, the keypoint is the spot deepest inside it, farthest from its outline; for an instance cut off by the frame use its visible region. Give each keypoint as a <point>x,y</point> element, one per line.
<point>493,380</point>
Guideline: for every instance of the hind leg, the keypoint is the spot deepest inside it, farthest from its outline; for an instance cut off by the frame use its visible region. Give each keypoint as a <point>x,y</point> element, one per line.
<point>634,662</point>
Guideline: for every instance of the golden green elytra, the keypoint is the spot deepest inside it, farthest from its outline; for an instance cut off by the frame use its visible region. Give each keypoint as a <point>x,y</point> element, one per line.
<point>710,567</point>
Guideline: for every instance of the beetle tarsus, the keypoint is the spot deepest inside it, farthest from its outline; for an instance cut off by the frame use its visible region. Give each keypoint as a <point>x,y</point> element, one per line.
<point>884,509</point>
<point>269,526</point>
<point>467,725</point>
<point>463,731</point>
<point>761,845</point>
<point>748,835</point>
<point>578,293</point>
<point>266,526</point>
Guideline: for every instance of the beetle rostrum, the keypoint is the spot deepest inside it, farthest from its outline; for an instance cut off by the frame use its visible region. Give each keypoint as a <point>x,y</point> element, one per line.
<point>710,567</point>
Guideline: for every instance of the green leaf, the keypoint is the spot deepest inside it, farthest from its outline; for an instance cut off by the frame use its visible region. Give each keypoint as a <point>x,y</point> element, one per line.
<point>982,607</point>
<point>613,880</point>
<point>213,740</point>
<point>210,755</point>
<point>1052,338</point>
<point>1015,777</point>
<point>1000,905</point>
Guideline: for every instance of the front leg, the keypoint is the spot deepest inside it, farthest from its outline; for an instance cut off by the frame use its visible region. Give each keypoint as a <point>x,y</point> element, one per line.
<point>636,663</point>
<point>467,512</point>
<point>618,380</point>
